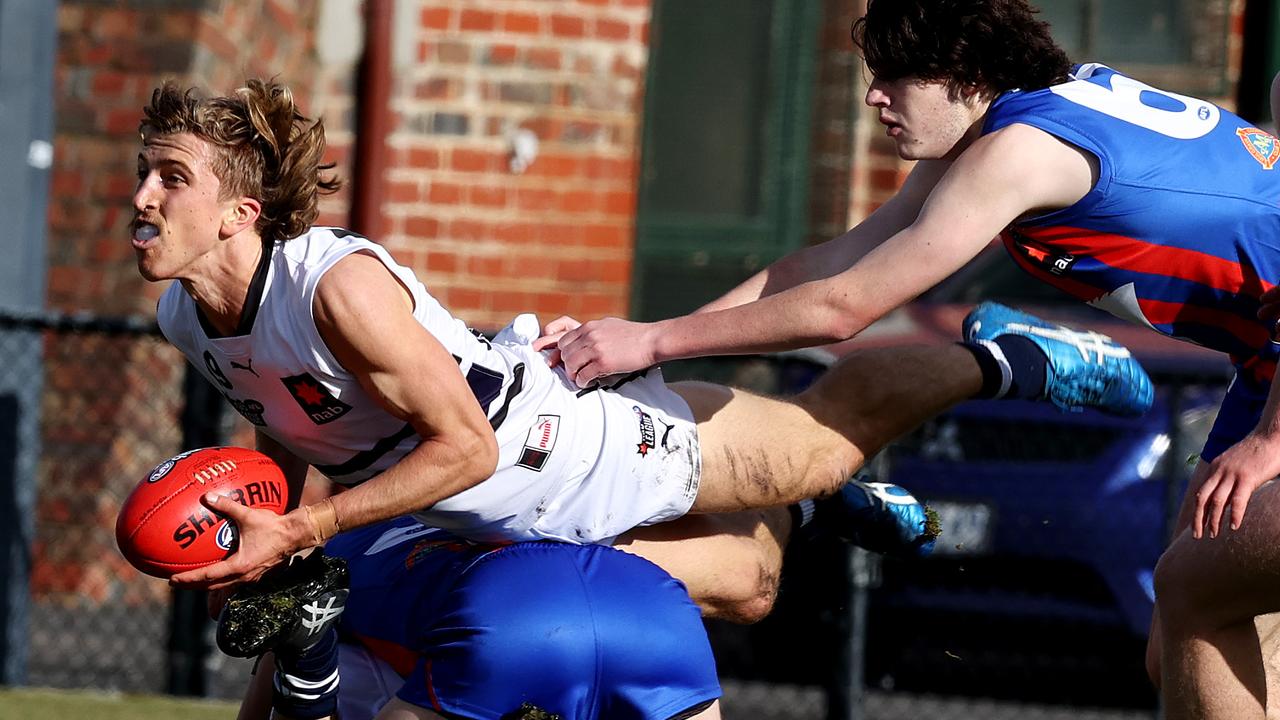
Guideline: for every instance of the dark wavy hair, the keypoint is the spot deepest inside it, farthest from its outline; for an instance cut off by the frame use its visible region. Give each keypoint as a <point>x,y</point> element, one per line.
<point>998,45</point>
<point>263,147</point>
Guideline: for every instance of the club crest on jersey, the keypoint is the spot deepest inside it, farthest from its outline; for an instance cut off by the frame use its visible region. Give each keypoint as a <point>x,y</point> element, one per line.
<point>1055,263</point>
<point>1261,145</point>
<point>315,399</point>
<point>647,436</point>
<point>539,443</point>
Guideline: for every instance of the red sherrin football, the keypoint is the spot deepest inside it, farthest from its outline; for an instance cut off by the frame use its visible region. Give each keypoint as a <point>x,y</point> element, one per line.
<point>163,528</point>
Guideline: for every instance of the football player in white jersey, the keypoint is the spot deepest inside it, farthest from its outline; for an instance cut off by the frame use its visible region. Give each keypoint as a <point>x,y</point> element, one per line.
<point>344,362</point>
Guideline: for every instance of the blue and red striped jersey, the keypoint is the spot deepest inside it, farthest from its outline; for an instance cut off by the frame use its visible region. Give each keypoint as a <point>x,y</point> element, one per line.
<point>1179,233</point>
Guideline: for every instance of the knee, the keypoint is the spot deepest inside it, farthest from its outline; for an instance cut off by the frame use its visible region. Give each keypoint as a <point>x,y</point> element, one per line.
<point>837,445</point>
<point>749,602</point>
<point>1152,659</point>
<point>1187,602</point>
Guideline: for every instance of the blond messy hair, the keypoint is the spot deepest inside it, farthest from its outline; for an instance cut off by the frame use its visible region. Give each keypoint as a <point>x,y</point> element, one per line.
<point>263,148</point>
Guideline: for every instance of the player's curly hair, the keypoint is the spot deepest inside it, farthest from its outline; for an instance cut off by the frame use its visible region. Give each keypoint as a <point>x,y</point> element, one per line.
<point>264,148</point>
<point>998,45</point>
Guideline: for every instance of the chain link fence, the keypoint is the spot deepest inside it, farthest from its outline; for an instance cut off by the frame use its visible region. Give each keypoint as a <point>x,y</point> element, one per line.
<point>108,397</point>
<point>1033,607</point>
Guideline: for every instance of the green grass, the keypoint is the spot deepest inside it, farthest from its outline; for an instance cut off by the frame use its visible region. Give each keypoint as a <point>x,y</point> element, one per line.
<point>68,704</point>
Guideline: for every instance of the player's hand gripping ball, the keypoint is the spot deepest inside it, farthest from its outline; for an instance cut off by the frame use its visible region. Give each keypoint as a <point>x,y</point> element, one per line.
<point>163,528</point>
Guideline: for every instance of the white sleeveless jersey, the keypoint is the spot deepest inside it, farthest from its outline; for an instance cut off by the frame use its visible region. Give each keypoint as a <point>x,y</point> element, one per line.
<point>280,376</point>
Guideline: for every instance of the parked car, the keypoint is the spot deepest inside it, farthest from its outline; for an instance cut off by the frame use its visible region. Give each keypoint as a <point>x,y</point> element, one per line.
<point>1041,585</point>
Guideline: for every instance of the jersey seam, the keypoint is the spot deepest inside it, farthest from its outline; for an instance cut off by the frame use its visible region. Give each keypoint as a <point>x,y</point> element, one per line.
<point>1205,193</point>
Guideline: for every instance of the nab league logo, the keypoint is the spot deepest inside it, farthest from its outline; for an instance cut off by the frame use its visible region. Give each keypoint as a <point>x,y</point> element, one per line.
<point>1263,147</point>
<point>647,437</point>
<point>226,537</point>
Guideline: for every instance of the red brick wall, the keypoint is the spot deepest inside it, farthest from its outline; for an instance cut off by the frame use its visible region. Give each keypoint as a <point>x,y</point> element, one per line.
<point>110,57</point>
<point>558,238</point>
<point>110,404</point>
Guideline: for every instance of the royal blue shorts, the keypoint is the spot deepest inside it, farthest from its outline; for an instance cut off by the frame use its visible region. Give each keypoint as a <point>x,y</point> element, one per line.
<point>1238,416</point>
<point>584,632</point>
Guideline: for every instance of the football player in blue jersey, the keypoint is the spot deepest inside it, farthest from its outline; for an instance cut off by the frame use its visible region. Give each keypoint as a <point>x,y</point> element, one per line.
<point>419,609</point>
<point>1155,206</point>
<point>582,632</point>
<point>528,631</point>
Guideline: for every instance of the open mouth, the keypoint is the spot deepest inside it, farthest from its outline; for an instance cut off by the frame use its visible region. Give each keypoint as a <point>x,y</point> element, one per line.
<point>144,235</point>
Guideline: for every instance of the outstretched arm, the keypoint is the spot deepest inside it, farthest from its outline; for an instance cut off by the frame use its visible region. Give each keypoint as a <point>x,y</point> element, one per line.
<point>822,261</point>
<point>1000,177</point>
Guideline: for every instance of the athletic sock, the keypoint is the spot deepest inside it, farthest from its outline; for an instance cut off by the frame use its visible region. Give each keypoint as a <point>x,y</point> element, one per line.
<point>802,526</point>
<point>306,681</point>
<point>1012,366</point>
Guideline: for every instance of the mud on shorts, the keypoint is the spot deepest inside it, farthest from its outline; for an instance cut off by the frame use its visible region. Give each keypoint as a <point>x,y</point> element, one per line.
<point>648,468</point>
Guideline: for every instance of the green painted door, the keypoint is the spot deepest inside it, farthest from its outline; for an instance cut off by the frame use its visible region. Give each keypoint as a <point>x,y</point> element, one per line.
<point>724,169</point>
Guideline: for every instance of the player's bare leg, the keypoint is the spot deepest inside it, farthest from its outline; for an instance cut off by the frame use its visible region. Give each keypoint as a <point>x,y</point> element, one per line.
<point>711,713</point>
<point>761,452</point>
<point>1181,523</point>
<point>730,562</point>
<point>398,709</point>
<point>1210,590</point>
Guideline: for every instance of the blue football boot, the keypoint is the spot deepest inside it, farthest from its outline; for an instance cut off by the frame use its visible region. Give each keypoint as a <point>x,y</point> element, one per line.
<point>1085,369</point>
<point>878,516</point>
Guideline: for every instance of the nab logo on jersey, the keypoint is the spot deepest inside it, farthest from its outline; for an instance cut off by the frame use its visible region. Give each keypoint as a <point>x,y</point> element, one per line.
<point>315,399</point>
<point>1053,262</point>
<point>1263,147</point>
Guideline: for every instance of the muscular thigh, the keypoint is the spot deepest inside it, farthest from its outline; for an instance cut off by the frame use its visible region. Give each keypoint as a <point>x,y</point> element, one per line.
<point>1233,576</point>
<point>756,450</point>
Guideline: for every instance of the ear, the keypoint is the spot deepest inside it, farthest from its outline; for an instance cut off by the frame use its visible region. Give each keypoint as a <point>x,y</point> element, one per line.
<point>240,216</point>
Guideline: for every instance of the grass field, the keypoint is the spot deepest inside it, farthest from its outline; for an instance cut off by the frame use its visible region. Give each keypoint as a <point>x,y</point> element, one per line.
<point>68,704</point>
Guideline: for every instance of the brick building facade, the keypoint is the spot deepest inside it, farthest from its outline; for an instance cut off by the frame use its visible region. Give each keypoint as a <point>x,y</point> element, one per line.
<point>489,242</point>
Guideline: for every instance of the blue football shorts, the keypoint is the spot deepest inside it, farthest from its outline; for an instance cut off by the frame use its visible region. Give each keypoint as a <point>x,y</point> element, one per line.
<point>582,631</point>
<point>1238,416</point>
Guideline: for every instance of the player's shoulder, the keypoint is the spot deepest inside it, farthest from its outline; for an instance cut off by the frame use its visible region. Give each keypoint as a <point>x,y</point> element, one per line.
<point>173,309</point>
<point>320,245</point>
<point>1017,145</point>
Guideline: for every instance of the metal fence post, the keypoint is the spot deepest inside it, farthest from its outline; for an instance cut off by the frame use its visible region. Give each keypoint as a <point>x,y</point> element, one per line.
<point>28,36</point>
<point>190,629</point>
<point>845,696</point>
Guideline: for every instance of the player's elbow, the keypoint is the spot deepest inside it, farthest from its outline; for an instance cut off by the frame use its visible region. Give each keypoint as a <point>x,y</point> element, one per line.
<point>481,454</point>
<point>839,319</point>
<point>472,456</point>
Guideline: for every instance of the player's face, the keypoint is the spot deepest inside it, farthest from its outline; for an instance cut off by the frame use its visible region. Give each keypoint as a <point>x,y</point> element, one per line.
<point>926,119</point>
<point>177,212</point>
